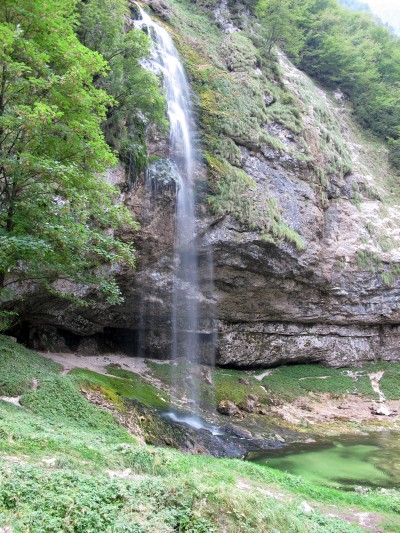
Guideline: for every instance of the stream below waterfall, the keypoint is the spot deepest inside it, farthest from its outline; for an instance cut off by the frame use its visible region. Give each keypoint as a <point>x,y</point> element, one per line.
<point>367,460</point>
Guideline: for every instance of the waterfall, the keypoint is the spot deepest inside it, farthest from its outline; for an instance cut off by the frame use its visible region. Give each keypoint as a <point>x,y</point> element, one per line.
<point>185,300</point>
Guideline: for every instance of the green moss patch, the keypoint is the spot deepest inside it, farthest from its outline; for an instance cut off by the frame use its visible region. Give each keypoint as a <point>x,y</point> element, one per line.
<point>57,398</point>
<point>290,382</point>
<point>124,385</point>
<point>226,384</point>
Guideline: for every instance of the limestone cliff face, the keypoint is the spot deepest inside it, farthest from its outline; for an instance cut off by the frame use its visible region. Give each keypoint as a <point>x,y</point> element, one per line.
<point>336,301</point>
<point>335,298</point>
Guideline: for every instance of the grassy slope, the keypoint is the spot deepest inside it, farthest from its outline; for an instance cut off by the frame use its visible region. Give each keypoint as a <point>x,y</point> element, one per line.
<point>56,454</point>
<point>290,382</point>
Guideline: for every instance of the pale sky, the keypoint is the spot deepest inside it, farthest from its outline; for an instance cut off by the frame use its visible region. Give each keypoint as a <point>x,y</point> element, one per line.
<point>387,10</point>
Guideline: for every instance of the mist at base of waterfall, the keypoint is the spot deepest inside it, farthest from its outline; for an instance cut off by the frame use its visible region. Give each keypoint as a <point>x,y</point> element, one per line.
<point>193,421</point>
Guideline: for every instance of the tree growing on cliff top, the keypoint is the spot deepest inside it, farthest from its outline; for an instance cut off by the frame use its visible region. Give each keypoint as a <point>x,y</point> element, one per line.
<point>57,215</point>
<point>279,17</point>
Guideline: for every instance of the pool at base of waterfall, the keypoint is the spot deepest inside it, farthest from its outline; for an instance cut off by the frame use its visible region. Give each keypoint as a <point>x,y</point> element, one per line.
<point>346,462</point>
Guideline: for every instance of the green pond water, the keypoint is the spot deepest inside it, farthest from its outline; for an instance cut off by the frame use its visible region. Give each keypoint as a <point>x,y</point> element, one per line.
<point>346,462</point>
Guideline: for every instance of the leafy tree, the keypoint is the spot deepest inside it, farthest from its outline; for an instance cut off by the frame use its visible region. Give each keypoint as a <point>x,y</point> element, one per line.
<point>57,214</point>
<point>279,18</point>
<point>103,27</point>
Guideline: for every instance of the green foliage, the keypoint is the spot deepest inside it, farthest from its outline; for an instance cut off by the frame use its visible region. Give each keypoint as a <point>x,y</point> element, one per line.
<point>19,366</point>
<point>103,27</point>
<point>394,153</point>
<point>57,214</point>
<point>64,500</point>
<point>279,17</point>
<point>342,49</point>
<point>58,398</point>
<point>62,472</point>
<point>7,318</point>
<point>75,502</point>
<point>389,383</point>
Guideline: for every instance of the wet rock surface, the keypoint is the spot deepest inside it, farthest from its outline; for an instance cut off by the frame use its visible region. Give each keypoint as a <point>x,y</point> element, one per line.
<point>228,440</point>
<point>226,407</point>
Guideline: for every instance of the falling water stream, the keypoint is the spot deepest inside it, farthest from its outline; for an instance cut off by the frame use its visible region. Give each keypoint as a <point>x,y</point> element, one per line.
<point>185,309</point>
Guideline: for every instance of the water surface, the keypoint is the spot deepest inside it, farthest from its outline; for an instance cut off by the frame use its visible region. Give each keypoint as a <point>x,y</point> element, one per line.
<point>346,462</point>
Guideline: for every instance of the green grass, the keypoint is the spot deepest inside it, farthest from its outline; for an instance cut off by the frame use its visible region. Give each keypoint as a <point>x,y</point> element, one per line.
<point>86,447</point>
<point>56,451</point>
<point>226,385</point>
<point>18,367</point>
<point>290,382</point>
<point>57,398</point>
<point>124,385</point>
<point>167,490</point>
<point>36,500</point>
<point>390,382</point>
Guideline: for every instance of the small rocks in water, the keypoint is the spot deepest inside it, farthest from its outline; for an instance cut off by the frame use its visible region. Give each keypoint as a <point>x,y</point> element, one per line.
<point>380,410</point>
<point>236,431</point>
<point>244,381</point>
<point>247,405</point>
<point>226,407</point>
<point>305,507</point>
